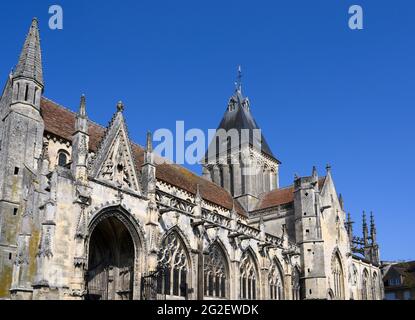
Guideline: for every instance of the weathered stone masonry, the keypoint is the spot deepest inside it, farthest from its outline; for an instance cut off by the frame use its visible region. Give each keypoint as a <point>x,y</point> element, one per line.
<point>87,214</point>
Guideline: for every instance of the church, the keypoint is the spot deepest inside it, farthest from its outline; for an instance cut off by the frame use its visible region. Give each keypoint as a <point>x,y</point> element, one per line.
<point>87,214</point>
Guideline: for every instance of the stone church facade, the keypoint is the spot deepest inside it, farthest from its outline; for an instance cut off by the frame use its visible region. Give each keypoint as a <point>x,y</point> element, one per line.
<point>85,213</point>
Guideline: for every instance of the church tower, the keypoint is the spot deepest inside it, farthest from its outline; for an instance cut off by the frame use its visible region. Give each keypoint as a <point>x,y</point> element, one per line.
<point>239,159</point>
<point>21,136</point>
<point>309,236</point>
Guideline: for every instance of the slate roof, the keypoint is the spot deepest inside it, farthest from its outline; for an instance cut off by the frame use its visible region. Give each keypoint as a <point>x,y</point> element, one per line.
<point>30,61</point>
<point>240,117</point>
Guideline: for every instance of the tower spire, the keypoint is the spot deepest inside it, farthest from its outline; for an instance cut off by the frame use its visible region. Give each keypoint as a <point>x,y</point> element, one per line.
<point>82,106</point>
<point>372,228</point>
<point>365,231</point>
<point>149,142</point>
<point>349,227</point>
<point>30,61</point>
<point>238,82</point>
<point>81,123</point>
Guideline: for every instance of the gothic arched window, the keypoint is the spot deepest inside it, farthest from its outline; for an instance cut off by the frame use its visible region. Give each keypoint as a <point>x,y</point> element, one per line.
<point>216,276</point>
<point>248,277</point>
<point>174,264</point>
<point>62,158</point>
<point>365,282</point>
<point>275,282</point>
<point>338,277</point>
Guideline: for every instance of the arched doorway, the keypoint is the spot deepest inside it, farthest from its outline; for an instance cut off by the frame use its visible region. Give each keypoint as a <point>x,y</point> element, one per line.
<point>111,257</point>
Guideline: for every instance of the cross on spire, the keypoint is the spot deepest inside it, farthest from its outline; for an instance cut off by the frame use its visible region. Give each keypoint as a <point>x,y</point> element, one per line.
<point>238,82</point>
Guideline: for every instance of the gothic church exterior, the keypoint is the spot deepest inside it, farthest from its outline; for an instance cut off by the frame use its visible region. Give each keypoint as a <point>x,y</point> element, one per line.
<point>85,213</point>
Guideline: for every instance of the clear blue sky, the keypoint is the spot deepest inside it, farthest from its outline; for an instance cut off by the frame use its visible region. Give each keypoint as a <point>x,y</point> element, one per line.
<point>321,92</point>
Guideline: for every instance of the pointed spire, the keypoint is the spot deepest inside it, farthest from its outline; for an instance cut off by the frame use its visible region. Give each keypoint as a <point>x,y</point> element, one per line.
<point>364,220</point>
<point>120,106</point>
<point>148,154</point>
<point>81,123</point>
<point>314,172</point>
<point>238,82</point>
<point>82,107</point>
<point>30,61</point>
<point>341,201</point>
<point>198,196</point>
<point>149,142</point>
<point>365,231</point>
<point>328,168</point>
<point>372,228</point>
<point>349,227</point>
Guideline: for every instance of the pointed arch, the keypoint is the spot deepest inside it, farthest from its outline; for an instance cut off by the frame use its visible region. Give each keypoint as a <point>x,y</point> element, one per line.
<point>276,280</point>
<point>216,271</point>
<point>175,264</point>
<point>116,254</point>
<point>249,275</point>
<point>337,272</point>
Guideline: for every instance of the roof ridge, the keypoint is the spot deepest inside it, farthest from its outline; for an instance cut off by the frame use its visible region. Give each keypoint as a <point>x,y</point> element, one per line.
<point>89,120</point>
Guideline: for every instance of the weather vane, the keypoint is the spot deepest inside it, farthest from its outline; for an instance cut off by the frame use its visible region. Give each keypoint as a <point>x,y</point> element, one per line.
<point>238,83</point>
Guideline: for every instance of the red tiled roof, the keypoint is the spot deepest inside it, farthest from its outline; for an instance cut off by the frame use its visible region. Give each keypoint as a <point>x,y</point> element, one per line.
<point>61,122</point>
<point>280,196</point>
<point>276,198</point>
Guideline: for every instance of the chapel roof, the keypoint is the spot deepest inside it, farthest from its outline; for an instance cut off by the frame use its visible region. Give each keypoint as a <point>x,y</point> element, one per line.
<point>60,122</point>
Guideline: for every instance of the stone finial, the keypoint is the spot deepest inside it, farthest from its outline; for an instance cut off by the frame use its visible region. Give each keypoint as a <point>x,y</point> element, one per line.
<point>149,142</point>
<point>198,195</point>
<point>365,231</point>
<point>314,172</point>
<point>82,106</point>
<point>30,60</point>
<point>120,106</point>
<point>238,82</point>
<point>372,227</point>
<point>341,201</point>
<point>328,168</point>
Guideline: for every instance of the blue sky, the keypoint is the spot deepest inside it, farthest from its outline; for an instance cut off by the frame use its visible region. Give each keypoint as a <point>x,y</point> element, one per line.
<point>321,92</point>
